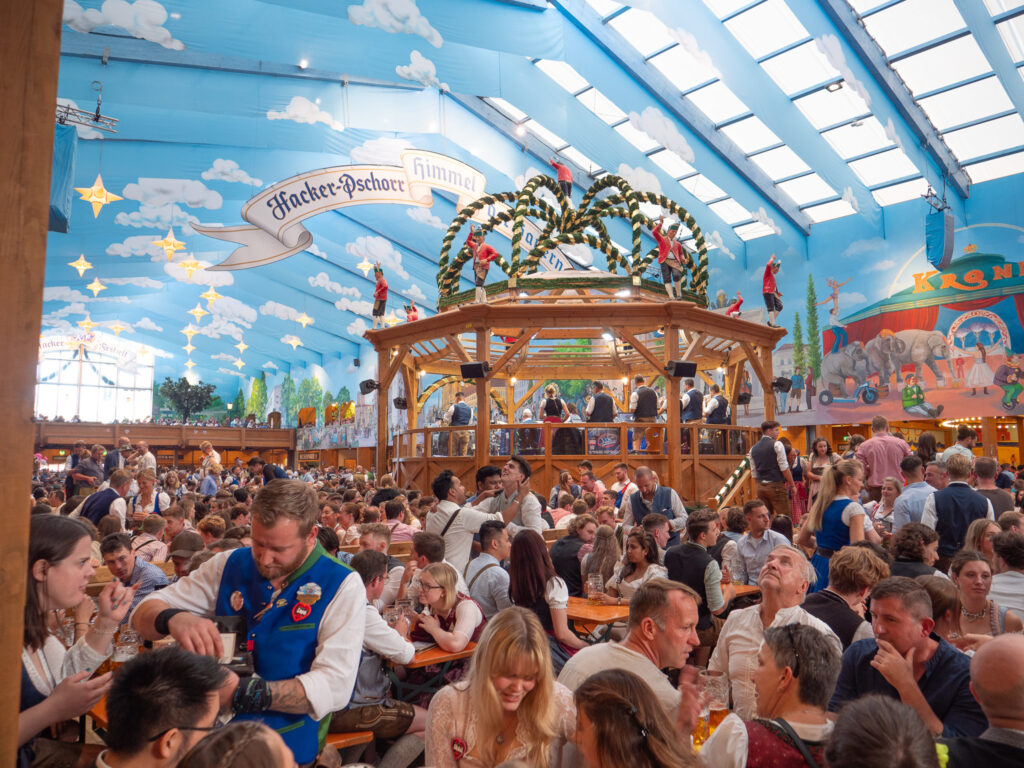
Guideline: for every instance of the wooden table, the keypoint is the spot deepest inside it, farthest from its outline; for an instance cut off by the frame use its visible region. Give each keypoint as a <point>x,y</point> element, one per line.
<point>581,611</point>
<point>99,718</point>
<point>747,590</point>
<point>406,691</point>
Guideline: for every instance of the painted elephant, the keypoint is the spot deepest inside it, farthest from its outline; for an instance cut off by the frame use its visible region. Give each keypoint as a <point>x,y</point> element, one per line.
<point>883,353</point>
<point>923,347</point>
<point>850,362</point>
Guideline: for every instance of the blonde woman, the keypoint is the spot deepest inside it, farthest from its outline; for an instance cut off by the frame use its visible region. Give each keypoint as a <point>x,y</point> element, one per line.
<point>553,408</point>
<point>835,519</point>
<point>450,619</point>
<point>148,501</point>
<point>509,708</point>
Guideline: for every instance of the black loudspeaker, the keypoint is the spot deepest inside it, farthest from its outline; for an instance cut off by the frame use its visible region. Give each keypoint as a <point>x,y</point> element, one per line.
<point>474,370</point>
<point>367,386</point>
<point>400,403</point>
<point>743,398</point>
<point>679,368</point>
<point>355,362</point>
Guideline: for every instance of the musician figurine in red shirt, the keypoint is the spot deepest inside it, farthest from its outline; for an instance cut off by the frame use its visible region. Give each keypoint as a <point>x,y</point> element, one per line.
<point>380,296</point>
<point>671,258</point>
<point>734,308</point>
<point>411,312</point>
<point>564,178</point>
<point>483,255</point>
<point>770,289</point>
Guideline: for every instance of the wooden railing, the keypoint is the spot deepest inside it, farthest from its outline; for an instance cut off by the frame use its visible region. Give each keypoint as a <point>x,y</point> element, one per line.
<point>50,433</point>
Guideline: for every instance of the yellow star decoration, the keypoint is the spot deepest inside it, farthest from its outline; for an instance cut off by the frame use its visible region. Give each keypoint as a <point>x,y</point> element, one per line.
<point>190,265</point>
<point>365,265</point>
<point>241,346</point>
<point>189,331</point>
<point>303,319</point>
<point>143,351</point>
<point>189,349</point>
<point>210,296</point>
<point>238,364</point>
<point>96,286</point>
<point>86,325</point>
<point>189,364</point>
<point>294,341</point>
<point>117,327</point>
<point>198,313</point>
<point>392,319</point>
<point>170,244</point>
<point>97,195</point>
<point>80,264</point>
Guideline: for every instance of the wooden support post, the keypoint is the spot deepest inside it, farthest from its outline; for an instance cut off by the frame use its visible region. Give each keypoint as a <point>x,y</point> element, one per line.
<point>483,402</point>
<point>381,461</point>
<point>989,438</point>
<point>412,390</point>
<point>29,56</point>
<point>672,452</point>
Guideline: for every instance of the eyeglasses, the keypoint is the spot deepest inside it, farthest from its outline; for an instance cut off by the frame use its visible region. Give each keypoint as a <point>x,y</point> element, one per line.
<point>425,588</point>
<point>163,733</point>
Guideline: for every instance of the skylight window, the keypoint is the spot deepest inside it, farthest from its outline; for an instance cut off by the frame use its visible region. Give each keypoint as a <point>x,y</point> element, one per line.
<point>824,108</point>
<point>752,231</point>
<point>899,193</point>
<point>507,109</point>
<point>807,189</point>
<point>858,138</point>
<point>717,102</point>
<point>643,30</point>
<point>730,211</point>
<point>985,138</point>
<point>751,134</point>
<point>563,74</point>
<point>800,68</point>
<point>943,65</point>
<point>579,158</point>
<point>552,139</point>
<point>601,106</point>
<point>885,166</point>
<point>912,22</point>
<point>766,28</point>
<point>638,139</point>
<point>998,6</point>
<point>671,163</point>
<point>780,162</point>
<point>604,7</point>
<point>682,69</point>
<point>704,190</point>
<point>969,102</point>
<point>722,8</point>
<point>1012,32</point>
<point>828,211</point>
<point>996,168</point>
<point>863,6</point>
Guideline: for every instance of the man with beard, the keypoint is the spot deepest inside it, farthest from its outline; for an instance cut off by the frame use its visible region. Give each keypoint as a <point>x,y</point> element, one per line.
<point>285,581</point>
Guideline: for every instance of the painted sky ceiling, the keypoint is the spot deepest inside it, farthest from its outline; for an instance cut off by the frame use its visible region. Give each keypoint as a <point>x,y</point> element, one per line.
<point>762,118</point>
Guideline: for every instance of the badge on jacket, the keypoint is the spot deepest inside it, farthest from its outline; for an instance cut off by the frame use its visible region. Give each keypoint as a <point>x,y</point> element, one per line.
<point>307,596</point>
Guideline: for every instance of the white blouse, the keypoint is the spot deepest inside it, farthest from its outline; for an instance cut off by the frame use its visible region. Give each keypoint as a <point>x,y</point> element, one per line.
<point>628,588</point>
<point>60,663</point>
<point>451,716</point>
<point>728,745</point>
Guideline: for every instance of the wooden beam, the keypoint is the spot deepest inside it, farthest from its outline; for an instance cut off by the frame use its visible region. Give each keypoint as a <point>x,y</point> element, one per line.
<point>519,403</point>
<point>456,346</point>
<point>658,365</point>
<point>392,367</point>
<point>483,405</point>
<point>30,56</point>
<point>696,344</point>
<point>411,394</point>
<point>381,461</point>
<point>672,415</point>
<point>520,342</point>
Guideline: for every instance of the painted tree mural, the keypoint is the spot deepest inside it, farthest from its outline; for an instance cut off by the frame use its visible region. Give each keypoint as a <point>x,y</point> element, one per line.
<point>799,350</point>
<point>813,330</point>
<point>257,403</point>
<point>288,409</point>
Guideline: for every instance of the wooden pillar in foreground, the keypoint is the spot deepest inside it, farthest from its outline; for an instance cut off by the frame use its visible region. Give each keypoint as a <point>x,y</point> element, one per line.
<point>483,400</point>
<point>989,437</point>
<point>381,461</point>
<point>675,462</point>
<point>29,59</point>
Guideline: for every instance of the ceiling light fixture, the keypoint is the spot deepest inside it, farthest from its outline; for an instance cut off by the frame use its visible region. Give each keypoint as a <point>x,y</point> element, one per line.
<point>833,87</point>
<point>303,63</point>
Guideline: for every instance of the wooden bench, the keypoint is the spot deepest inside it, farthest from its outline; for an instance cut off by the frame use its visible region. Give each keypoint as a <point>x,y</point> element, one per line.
<point>552,535</point>
<point>344,740</point>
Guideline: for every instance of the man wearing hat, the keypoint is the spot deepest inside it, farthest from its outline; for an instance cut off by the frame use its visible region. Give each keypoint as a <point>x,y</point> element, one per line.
<point>670,257</point>
<point>380,296</point>
<point>483,255</point>
<point>181,549</point>
<point>770,289</point>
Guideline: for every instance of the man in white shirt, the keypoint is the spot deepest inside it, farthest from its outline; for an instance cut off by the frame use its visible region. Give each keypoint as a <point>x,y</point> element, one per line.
<point>377,537</point>
<point>966,439</point>
<point>1008,584</point>
<point>285,578</point>
<point>652,497</point>
<point>514,502</point>
<point>109,501</point>
<point>784,580</point>
<point>487,581</point>
<point>146,459</point>
<point>454,522</point>
<point>622,486</point>
<point>662,632</point>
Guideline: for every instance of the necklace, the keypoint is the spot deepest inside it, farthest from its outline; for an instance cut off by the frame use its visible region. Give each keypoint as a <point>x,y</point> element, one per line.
<point>974,616</point>
<point>500,738</point>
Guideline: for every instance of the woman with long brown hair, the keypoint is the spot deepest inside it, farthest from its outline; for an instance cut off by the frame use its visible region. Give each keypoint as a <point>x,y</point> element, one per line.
<point>835,519</point>
<point>603,558</point>
<point>509,707</point>
<point>639,565</point>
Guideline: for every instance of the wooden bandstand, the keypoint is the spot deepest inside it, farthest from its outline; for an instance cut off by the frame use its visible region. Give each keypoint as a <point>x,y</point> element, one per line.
<point>570,326</point>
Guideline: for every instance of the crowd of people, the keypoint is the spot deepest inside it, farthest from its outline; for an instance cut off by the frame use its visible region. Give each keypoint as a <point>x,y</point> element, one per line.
<point>885,628</point>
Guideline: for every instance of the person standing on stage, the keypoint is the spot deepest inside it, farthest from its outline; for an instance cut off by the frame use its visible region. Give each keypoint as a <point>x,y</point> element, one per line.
<point>483,255</point>
<point>671,258</point>
<point>643,403</point>
<point>459,414</point>
<point>771,469</point>
<point>691,403</point>
<point>770,289</point>
<point>303,614</point>
<point>564,178</point>
<point>380,296</point>
<point>601,406</point>
<point>716,409</point>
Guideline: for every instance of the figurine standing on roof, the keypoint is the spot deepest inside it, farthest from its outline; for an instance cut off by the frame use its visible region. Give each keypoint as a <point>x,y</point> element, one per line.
<point>671,258</point>
<point>770,290</point>
<point>380,296</point>
<point>564,178</point>
<point>483,255</point>
<point>734,308</point>
<point>411,312</point>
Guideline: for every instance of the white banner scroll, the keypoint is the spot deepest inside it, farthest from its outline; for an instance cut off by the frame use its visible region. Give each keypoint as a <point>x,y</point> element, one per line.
<point>274,230</point>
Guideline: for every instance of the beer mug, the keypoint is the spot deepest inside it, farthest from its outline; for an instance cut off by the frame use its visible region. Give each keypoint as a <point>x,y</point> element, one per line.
<point>716,690</point>
<point>595,586</point>
<point>126,647</point>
